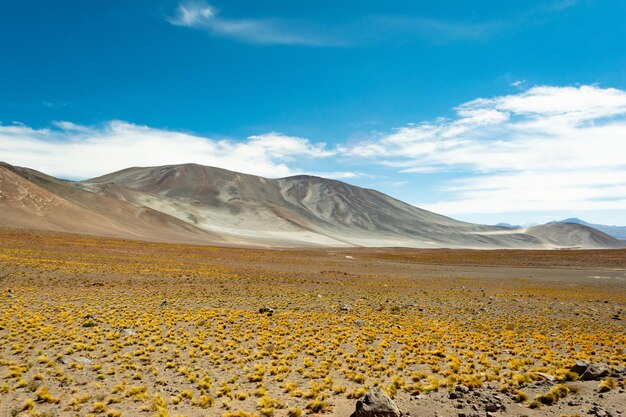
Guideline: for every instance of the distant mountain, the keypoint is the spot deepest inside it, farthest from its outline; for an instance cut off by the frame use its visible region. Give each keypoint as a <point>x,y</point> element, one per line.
<point>618,232</point>
<point>510,226</point>
<point>199,204</point>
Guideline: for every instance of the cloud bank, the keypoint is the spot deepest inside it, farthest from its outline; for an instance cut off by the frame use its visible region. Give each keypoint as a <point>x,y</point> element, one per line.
<point>78,151</point>
<point>544,149</point>
<point>547,148</point>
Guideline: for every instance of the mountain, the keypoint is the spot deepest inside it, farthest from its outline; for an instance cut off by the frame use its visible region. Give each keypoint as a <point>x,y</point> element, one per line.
<point>32,200</point>
<point>199,204</point>
<point>511,226</point>
<point>618,232</point>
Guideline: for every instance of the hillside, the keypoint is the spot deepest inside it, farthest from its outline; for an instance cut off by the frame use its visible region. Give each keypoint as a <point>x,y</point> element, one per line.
<point>199,204</point>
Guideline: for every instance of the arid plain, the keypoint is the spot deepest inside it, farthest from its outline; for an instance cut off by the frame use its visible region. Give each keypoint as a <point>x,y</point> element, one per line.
<point>106,327</point>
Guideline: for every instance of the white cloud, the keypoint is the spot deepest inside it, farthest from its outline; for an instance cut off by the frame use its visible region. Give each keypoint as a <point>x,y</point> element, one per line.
<point>547,148</point>
<point>543,149</point>
<point>87,151</point>
<point>199,15</point>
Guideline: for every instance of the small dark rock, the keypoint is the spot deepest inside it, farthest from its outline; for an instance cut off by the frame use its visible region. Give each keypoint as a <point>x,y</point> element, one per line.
<point>461,389</point>
<point>491,407</point>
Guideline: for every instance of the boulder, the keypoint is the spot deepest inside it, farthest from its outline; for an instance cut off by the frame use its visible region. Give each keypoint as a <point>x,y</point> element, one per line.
<point>376,404</point>
<point>580,367</point>
<point>595,371</point>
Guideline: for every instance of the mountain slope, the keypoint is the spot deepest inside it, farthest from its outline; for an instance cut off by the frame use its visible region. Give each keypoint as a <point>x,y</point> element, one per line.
<point>193,203</point>
<point>32,200</point>
<point>618,232</point>
<point>303,210</point>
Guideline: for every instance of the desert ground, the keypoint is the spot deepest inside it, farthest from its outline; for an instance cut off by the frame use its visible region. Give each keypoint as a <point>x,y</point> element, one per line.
<point>106,327</point>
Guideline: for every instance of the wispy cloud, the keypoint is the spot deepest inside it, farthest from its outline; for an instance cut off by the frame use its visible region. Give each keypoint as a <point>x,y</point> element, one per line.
<point>547,148</point>
<point>200,15</point>
<point>68,149</point>
<point>358,30</point>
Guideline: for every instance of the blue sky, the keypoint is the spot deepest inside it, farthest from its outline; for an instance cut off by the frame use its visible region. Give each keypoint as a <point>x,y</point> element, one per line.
<point>486,111</point>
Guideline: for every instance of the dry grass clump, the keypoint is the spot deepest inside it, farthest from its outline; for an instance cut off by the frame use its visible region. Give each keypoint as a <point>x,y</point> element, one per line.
<point>177,325</point>
<point>607,384</point>
<point>553,396</point>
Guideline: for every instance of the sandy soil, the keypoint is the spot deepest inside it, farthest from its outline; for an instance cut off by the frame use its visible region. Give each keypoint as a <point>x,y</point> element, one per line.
<point>86,320</point>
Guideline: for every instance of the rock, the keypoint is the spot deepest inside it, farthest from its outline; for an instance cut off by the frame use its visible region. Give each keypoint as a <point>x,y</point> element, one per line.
<point>376,404</point>
<point>461,389</point>
<point>127,332</point>
<point>266,310</point>
<point>545,376</point>
<point>164,303</point>
<point>344,307</point>
<point>66,360</point>
<point>595,371</point>
<point>359,323</point>
<point>491,408</point>
<point>580,367</point>
<point>599,412</point>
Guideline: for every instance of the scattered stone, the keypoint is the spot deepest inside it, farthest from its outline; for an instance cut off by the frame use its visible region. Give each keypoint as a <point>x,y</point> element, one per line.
<point>376,404</point>
<point>266,310</point>
<point>127,332</point>
<point>580,367</point>
<point>599,412</point>
<point>359,323</point>
<point>545,376</point>
<point>66,360</point>
<point>164,303</point>
<point>595,371</point>
<point>461,389</point>
<point>344,307</point>
<point>491,408</point>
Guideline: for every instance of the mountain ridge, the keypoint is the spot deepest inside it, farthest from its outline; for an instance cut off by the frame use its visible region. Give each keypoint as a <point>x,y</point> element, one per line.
<point>618,232</point>
<point>195,203</point>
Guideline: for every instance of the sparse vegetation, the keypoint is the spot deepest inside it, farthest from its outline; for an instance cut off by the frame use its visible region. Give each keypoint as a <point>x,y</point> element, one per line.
<point>208,350</point>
